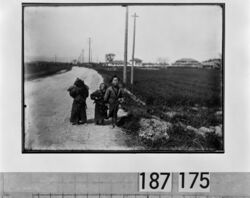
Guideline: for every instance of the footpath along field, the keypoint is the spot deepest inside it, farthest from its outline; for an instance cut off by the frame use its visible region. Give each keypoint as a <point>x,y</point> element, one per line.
<point>188,98</point>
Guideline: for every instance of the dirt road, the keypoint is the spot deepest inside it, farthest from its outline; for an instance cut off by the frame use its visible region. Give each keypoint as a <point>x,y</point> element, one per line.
<point>47,115</point>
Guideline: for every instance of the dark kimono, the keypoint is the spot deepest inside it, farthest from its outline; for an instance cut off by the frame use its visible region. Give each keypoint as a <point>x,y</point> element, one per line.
<point>100,107</point>
<point>112,96</point>
<point>79,92</point>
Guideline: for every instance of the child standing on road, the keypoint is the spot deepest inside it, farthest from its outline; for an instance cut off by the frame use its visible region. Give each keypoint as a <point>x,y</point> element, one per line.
<point>114,97</point>
<point>100,106</point>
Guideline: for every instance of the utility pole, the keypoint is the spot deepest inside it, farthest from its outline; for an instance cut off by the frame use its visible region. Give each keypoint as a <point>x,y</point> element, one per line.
<point>133,51</point>
<point>125,47</point>
<point>89,49</point>
<point>79,59</point>
<point>82,56</point>
<point>55,59</point>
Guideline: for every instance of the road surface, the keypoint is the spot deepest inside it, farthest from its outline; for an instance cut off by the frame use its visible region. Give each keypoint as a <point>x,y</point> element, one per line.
<point>47,125</point>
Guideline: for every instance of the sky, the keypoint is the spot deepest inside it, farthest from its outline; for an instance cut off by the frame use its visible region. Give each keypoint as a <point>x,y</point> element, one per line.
<point>162,32</point>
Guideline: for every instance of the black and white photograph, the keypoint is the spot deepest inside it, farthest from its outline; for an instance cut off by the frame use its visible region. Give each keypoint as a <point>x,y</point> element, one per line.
<point>123,77</point>
<point>125,185</point>
<point>124,99</point>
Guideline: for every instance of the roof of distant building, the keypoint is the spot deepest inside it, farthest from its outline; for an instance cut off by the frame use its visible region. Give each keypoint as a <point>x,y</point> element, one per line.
<point>187,62</point>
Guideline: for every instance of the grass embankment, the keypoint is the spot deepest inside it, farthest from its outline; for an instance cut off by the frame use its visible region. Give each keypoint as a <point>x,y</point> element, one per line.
<point>181,96</point>
<point>39,69</point>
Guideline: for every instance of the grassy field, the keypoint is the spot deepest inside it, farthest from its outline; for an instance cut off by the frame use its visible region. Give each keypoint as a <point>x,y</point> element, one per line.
<point>175,86</point>
<point>34,70</point>
<point>192,95</point>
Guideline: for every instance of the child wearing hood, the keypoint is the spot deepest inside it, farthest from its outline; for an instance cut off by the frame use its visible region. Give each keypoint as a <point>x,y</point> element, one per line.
<point>100,106</point>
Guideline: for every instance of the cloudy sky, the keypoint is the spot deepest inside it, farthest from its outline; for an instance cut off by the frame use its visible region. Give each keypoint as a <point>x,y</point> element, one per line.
<point>169,32</point>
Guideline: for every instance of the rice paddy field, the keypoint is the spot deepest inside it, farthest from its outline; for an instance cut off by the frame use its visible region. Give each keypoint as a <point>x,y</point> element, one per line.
<point>175,86</point>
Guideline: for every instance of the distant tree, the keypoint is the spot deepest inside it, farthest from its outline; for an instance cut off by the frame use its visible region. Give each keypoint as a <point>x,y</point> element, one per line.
<point>162,60</point>
<point>109,57</point>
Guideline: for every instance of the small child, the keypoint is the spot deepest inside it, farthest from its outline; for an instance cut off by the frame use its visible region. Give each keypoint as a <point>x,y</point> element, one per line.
<point>114,97</point>
<point>100,106</point>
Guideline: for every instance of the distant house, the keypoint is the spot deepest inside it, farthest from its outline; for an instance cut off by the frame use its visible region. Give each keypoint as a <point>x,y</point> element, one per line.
<point>148,64</point>
<point>155,64</point>
<point>187,62</point>
<point>162,64</point>
<point>138,62</point>
<point>212,64</point>
<point>116,63</point>
<point>208,65</point>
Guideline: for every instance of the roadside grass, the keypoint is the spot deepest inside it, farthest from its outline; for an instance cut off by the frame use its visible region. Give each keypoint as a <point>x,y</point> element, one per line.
<point>193,95</point>
<point>187,140</point>
<point>39,69</point>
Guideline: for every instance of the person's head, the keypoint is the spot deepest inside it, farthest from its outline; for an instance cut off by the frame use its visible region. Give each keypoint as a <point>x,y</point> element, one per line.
<point>79,82</point>
<point>115,80</point>
<point>102,87</point>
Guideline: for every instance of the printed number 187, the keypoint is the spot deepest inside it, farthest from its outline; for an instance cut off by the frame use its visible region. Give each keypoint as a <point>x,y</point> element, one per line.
<point>155,181</point>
